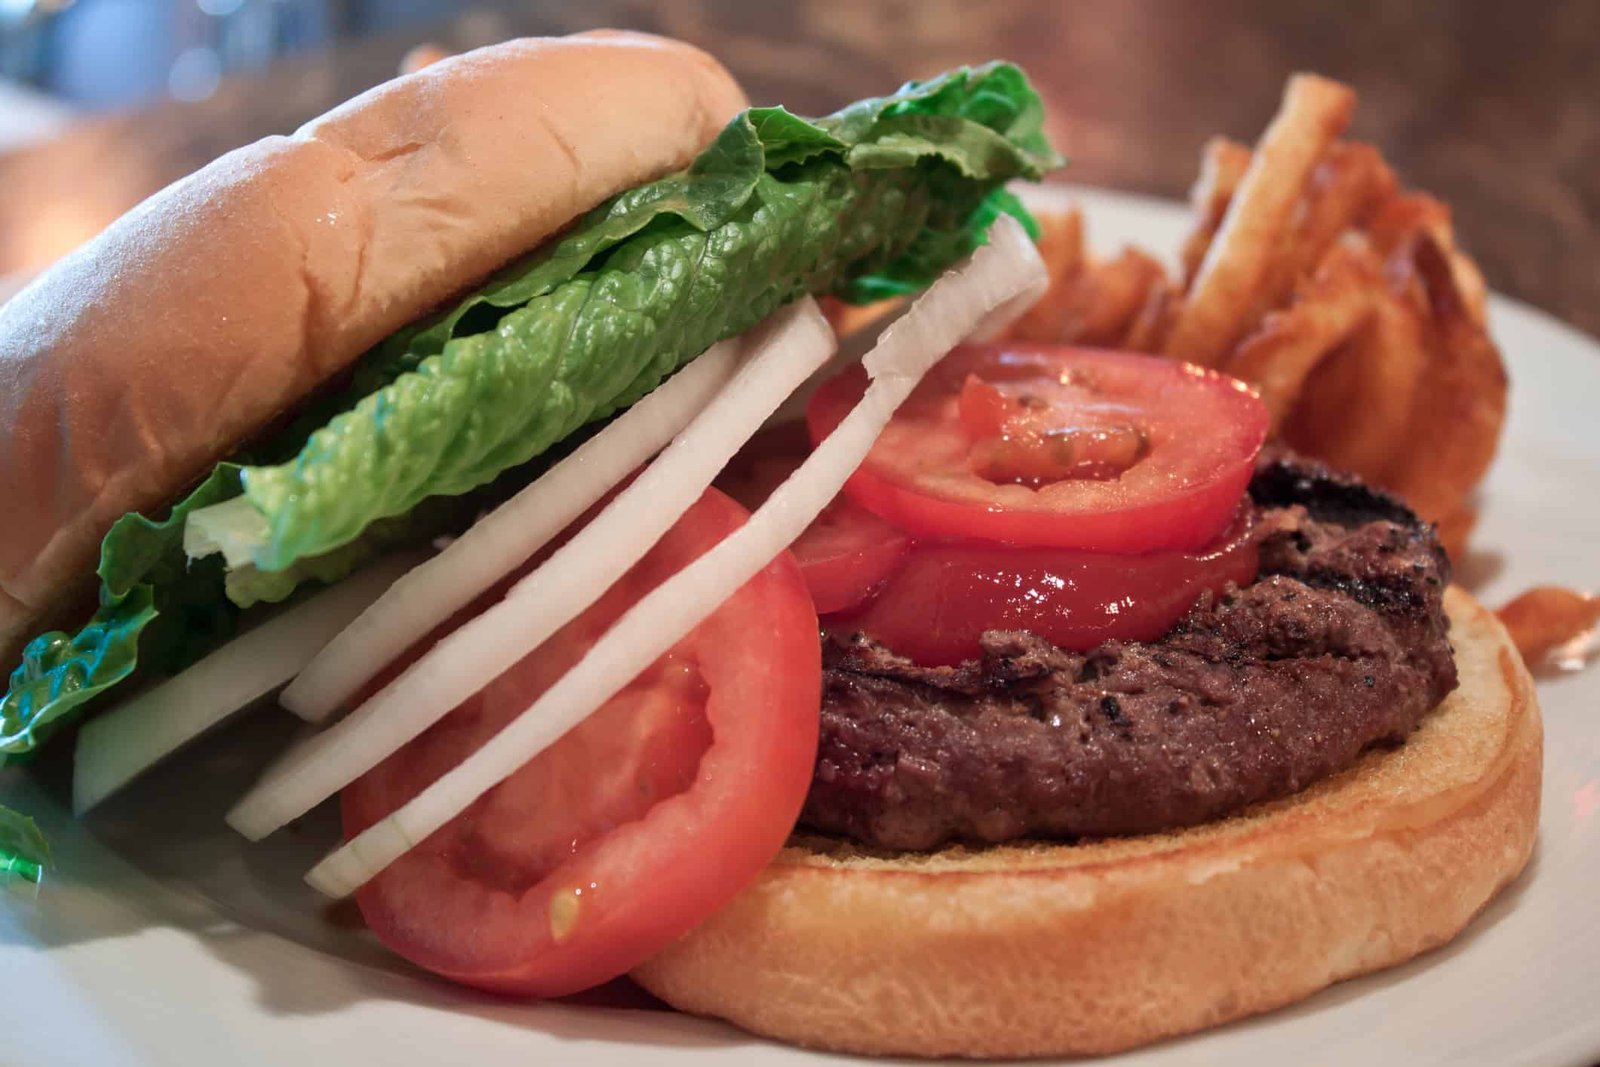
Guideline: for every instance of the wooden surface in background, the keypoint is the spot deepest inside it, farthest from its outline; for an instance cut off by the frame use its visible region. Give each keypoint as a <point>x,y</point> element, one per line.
<point>1493,107</point>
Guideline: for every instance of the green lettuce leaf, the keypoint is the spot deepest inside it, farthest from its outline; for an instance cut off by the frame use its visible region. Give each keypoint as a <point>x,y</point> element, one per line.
<point>144,576</point>
<point>160,611</point>
<point>875,200</point>
<point>24,855</point>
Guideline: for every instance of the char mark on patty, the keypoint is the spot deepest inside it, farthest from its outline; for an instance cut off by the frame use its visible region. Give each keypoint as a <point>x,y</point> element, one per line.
<point>1340,644</point>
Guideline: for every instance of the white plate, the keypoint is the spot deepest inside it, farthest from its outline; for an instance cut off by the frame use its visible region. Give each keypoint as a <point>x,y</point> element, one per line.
<point>163,939</point>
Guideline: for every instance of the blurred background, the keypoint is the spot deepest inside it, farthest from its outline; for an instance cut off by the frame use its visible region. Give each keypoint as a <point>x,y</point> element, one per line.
<point>97,54</point>
<point>1491,106</point>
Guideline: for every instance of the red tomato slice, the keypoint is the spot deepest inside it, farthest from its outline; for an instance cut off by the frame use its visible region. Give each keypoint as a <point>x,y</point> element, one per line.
<point>1059,447</point>
<point>847,553</point>
<point>946,594</point>
<point>635,826</point>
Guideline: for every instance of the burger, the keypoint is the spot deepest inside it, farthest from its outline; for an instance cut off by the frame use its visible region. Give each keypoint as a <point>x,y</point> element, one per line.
<point>1083,716</point>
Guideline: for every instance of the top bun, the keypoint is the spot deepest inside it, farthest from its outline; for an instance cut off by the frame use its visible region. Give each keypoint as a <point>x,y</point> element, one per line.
<point>204,313</point>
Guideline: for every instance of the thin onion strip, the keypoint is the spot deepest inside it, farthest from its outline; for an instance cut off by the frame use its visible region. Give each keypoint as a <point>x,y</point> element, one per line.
<point>499,542</point>
<point>997,280</point>
<point>116,747</point>
<point>782,353</point>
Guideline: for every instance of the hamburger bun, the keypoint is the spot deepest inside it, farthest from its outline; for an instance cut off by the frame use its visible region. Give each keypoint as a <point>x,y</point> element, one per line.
<point>211,309</point>
<point>1040,949</point>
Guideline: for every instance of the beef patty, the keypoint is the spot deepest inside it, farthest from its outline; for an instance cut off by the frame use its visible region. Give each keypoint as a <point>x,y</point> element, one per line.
<point>1340,644</point>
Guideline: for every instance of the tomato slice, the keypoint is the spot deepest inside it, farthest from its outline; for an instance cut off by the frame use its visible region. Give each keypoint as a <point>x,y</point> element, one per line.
<point>637,824</point>
<point>945,595</point>
<point>1059,447</point>
<point>848,552</point>
<point>846,555</point>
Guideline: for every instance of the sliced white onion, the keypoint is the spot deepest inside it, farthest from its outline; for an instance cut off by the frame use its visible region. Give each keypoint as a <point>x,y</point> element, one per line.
<point>998,279</point>
<point>852,347</point>
<point>118,746</point>
<point>500,542</point>
<point>782,353</point>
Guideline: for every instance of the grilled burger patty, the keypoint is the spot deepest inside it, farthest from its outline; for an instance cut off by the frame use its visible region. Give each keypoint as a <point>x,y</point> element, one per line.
<point>1340,644</point>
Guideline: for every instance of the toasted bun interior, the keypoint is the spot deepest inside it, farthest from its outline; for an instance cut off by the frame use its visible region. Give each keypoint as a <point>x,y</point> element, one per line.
<point>217,304</point>
<point>1042,949</point>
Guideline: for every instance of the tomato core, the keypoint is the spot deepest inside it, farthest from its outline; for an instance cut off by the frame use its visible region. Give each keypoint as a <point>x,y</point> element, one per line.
<point>1016,441</point>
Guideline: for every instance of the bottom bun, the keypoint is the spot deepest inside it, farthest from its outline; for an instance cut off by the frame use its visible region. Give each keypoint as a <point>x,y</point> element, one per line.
<point>1046,949</point>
